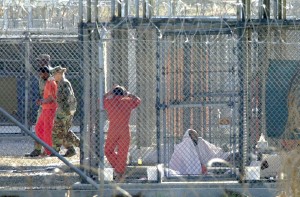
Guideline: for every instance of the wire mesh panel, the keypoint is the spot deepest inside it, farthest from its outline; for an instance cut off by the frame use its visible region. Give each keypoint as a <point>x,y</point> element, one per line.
<point>13,75</point>
<point>272,66</point>
<point>200,93</point>
<point>130,63</point>
<point>20,83</point>
<point>19,73</point>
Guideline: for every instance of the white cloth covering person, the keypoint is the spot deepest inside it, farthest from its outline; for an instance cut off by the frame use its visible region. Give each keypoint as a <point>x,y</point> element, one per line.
<point>192,153</point>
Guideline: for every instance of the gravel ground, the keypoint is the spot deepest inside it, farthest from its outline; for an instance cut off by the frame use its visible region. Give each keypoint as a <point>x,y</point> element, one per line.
<point>19,171</point>
<point>15,145</point>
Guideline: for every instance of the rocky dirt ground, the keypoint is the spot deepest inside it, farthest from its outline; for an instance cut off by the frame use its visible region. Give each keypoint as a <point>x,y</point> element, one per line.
<point>19,171</point>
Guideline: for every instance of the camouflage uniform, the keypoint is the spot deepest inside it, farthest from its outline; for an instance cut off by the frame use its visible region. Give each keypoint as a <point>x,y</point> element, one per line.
<point>62,135</point>
<point>292,130</point>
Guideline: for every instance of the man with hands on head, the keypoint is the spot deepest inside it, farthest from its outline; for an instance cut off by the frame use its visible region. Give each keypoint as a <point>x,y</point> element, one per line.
<point>118,103</point>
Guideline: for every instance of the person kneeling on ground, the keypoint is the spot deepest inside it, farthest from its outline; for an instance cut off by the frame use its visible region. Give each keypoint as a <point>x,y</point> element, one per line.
<point>193,153</point>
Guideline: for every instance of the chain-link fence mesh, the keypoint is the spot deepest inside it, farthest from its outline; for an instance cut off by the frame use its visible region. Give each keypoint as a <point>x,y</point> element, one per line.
<point>241,98</point>
<point>212,87</point>
<point>200,93</point>
<point>19,73</point>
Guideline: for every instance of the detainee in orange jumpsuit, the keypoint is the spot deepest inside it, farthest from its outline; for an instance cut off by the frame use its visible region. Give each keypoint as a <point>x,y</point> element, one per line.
<point>118,103</point>
<point>45,122</point>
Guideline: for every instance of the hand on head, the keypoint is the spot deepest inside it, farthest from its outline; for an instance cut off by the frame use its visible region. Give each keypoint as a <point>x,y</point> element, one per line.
<point>115,86</point>
<point>119,90</point>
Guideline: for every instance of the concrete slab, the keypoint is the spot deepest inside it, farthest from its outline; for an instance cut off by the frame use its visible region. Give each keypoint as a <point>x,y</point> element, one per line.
<point>212,189</point>
<point>180,189</point>
<point>18,146</point>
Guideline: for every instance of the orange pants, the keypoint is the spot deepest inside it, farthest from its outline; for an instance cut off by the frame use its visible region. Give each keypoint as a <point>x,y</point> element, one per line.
<point>44,126</point>
<point>116,148</point>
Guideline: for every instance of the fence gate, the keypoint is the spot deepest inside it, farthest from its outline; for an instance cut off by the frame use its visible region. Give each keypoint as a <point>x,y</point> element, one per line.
<point>198,89</point>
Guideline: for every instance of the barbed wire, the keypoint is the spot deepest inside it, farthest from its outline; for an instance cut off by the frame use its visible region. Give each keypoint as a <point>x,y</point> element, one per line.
<point>58,15</point>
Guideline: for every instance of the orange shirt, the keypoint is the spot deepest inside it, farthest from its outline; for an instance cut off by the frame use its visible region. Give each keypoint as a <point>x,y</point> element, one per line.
<point>50,89</point>
<point>119,109</point>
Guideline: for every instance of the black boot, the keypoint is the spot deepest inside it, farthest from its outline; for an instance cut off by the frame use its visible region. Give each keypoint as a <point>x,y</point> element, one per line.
<point>34,153</point>
<point>70,152</point>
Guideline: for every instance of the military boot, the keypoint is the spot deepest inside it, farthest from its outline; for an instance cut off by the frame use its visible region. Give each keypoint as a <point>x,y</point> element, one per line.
<point>34,153</point>
<point>70,152</point>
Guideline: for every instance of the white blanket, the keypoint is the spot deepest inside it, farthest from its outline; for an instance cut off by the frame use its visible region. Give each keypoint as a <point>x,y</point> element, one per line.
<point>187,158</point>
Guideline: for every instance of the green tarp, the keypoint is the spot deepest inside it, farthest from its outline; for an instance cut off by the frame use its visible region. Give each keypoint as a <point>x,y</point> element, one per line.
<point>279,76</point>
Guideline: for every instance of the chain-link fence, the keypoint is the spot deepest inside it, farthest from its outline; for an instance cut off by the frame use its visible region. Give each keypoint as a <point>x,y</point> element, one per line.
<point>19,74</point>
<point>235,92</point>
<point>223,87</point>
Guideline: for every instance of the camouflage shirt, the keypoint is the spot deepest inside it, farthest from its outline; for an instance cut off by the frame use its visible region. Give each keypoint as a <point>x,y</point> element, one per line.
<point>65,98</point>
<point>42,83</point>
<point>293,123</point>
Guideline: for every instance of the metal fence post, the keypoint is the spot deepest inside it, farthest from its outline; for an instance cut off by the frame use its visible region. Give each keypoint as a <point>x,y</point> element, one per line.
<point>242,96</point>
<point>27,78</point>
<point>94,95</point>
<point>102,114</point>
<point>186,84</point>
<point>81,99</point>
<point>263,64</point>
<point>86,105</point>
<point>158,105</point>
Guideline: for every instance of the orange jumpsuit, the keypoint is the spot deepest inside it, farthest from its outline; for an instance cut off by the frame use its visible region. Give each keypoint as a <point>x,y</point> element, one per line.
<point>118,137</point>
<point>45,122</point>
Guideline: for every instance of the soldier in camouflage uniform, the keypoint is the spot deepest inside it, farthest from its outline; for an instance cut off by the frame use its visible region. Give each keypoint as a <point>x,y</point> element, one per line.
<point>62,135</point>
<point>43,60</point>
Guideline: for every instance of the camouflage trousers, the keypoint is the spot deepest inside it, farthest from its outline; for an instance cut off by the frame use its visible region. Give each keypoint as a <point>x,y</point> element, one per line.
<point>61,134</point>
